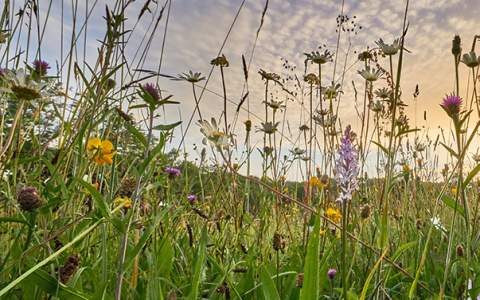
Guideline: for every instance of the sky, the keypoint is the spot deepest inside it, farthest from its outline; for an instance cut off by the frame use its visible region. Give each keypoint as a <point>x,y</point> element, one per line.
<point>197,28</point>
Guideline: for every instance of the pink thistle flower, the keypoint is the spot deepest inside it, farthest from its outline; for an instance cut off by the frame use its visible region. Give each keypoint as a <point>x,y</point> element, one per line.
<point>152,90</point>
<point>451,104</point>
<point>41,67</point>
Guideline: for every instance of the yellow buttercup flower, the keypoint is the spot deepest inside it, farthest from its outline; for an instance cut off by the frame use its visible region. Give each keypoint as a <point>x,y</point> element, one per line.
<point>125,202</point>
<point>333,214</point>
<point>314,181</point>
<point>454,190</point>
<point>100,151</point>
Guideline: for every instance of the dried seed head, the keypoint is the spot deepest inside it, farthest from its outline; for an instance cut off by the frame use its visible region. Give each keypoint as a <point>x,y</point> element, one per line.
<point>29,199</point>
<point>127,187</point>
<point>299,280</point>
<point>278,241</point>
<point>69,268</point>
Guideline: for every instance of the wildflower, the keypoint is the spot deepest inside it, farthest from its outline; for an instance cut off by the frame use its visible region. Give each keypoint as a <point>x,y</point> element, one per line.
<point>275,105</point>
<point>220,61</point>
<point>365,55</point>
<point>123,201</point>
<point>384,93</point>
<point>347,166</point>
<point>332,91</point>
<point>269,76</point>
<point>331,273</point>
<point>173,172</point>
<point>68,269</point>
<point>191,77</point>
<point>333,214</point>
<point>21,86</point>
<point>29,199</point>
<point>370,74</point>
<point>304,127</point>
<point>192,198</point>
<point>314,181</point>
<point>311,78</point>
<point>323,181</point>
<point>269,127</point>
<point>151,90</point>
<point>297,151</point>
<point>406,168</point>
<point>437,224</point>
<point>451,104</point>
<point>100,151</point>
<point>376,106</point>
<point>454,190</point>
<point>319,58</point>
<point>471,60</point>
<point>40,67</point>
<point>213,134</point>
<point>389,49</point>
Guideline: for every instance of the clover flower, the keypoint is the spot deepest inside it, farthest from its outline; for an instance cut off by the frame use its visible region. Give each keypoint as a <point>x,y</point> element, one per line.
<point>452,104</point>
<point>100,151</point>
<point>347,167</point>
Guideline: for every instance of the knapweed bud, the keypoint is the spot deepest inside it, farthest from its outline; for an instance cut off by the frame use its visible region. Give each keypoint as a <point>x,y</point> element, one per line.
<point>40,67</point>
<point>460,250</point>
<point>68,269</point>
<point>331,273</point>
<point>29,199</point>
<point>456,46</point>
<point>248,125</point>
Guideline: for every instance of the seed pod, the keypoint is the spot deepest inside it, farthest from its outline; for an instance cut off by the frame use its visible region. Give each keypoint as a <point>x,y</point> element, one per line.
<point>29,199</point>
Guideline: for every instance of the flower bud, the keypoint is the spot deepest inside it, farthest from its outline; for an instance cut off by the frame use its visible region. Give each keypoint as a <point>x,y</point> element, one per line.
<point>29,199</point>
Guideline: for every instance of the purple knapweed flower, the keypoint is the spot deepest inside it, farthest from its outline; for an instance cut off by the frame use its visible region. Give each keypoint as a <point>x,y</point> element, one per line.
<point>41,67</point>
<point>173,172</point>
<point>331,273</point>
<point>347,166</point>
<point>451,104</point>
<point>152,90</point>
<point>192,198</point>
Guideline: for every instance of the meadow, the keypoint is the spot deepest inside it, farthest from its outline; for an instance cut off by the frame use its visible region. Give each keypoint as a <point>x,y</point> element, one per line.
<point>99,198</point>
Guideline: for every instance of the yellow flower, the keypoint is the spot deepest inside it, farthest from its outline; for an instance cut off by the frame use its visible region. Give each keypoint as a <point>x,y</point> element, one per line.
<point>100,151</point>
<point>285,190</point>
<point>322,231</point>
<point>314,181</point>
<point>333,214</point>
<point>454,190</point>
<point>125,202</point>
<point>406,168</point>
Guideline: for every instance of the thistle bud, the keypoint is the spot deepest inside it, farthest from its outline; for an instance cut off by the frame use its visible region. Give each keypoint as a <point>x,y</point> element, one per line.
<point>29,199</point>
<point>456,46</point>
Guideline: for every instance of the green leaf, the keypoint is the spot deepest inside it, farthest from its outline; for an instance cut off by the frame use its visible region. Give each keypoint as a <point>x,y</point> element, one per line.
<point>310,288</point>
<point>167,127</point>
<point>450,202</point>
<point>199,265</point>
<point>268,286</point>
<point>371,274</point>
<point>471,175</point>
<point>140,137</point>
<point>52,286</point>
<point>100,202</point>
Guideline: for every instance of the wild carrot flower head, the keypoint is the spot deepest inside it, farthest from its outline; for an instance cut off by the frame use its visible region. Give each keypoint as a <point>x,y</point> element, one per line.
<point>40,67</point>
<point>346,169</point>
<point>151,90</point>
<point>451,104</point>
<point>100,151</point>
<point>173,172</point>
<point>331,273</point>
